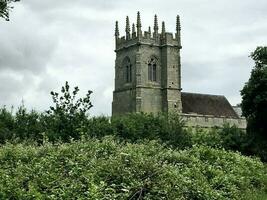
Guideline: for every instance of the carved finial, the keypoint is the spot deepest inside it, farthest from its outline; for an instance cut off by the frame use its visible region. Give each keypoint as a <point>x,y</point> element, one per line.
<point>178,24</point>
<point>127,29</point>
<point>163,29</point>
<point>178,29</point>
<point>117,33</point>
<point>139,25</point>
<point>149,30</point>
<point>133,29</point>
<point>156,26</point>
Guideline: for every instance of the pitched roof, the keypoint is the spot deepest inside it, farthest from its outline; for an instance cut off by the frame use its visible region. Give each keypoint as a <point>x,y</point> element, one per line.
<point>206,104</point>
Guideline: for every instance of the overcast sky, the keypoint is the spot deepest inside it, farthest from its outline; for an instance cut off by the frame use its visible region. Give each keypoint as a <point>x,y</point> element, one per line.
<point>48,42</point>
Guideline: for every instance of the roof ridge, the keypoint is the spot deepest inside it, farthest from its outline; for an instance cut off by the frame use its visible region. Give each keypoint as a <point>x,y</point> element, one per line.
<point>220,95</point>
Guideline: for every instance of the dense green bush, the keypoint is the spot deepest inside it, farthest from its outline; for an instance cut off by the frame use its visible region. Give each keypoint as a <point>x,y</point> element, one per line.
<point>24,125</point>
<point>234,138</point>
<point>106,169</point>
<point>6,125</point>
<point>228,137</point>
<point>114,169</point>
<point>61,127</point>
<point>97,127</point>
<point>167,128</point>
<point>69,113</point>
<point>21,125</point>
<point>254,96</point>
<point>27,125</point>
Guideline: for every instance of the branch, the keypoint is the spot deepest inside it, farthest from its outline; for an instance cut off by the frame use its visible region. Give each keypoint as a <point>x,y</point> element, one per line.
<point>5,8</point>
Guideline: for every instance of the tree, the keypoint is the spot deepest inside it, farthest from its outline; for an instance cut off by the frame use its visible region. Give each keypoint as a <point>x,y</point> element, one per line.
<point>69,113</point>
<point>5,8</point>
<point>254,95</point>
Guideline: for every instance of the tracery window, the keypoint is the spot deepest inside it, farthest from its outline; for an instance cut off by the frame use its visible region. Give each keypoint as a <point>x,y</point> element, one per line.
<point>152,69</point>
<point>128,69</point>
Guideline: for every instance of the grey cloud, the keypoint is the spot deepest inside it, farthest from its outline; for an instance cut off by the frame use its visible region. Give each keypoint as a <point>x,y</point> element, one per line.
<point>25,48</point>
<point>61,4</point>
<point>223,78</point>
<point>49,42</point>
<point>9,87</point>
<point>14,87</point>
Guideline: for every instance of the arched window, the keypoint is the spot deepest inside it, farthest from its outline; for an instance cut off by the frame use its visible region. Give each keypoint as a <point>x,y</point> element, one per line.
<point>128,69</point>
<point>152,69</point>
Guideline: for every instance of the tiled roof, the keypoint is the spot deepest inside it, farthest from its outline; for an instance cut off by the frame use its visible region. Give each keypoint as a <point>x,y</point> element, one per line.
<point>206,104</point>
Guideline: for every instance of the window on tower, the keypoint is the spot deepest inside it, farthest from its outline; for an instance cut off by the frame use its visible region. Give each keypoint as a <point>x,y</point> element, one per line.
<point>128,69</point>
<point>152,70</point>
<point>129,73</point>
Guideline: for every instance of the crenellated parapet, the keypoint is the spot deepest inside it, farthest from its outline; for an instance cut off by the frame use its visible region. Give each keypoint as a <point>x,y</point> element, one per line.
<point>138,37</point>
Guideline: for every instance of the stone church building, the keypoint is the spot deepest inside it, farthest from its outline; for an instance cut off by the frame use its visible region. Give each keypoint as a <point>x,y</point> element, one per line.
<point>148,79</point>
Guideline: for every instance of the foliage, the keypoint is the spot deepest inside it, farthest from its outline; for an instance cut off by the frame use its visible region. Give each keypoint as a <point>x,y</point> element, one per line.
<point>62,122</point>
<point>27,125</point>
<point>168,129</point>
<point>165,127</point>
<point>6,125</point>
<point>5,8</point>
<point>68,115</point>
<point>228,137</point>
<point>128,165</point>
<point>107,169</point>
<point>254,95</point>
<point>67,103</point>
<point>206,137</point>
<point>255,195</point>
<point>97,127</point>
<point>23,125</point>
<point>233,138</point>
<point>254,104</point>
<point>68,120</point>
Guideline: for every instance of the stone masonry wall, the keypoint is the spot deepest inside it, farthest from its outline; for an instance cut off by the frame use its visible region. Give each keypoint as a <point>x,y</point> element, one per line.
<point>206,121</point>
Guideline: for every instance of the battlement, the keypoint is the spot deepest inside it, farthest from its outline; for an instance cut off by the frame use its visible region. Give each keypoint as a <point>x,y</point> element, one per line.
<point>136,36</point>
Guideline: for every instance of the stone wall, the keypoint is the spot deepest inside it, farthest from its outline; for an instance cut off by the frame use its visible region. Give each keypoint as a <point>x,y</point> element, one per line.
<point>123,101</point>
<point>209,121</point>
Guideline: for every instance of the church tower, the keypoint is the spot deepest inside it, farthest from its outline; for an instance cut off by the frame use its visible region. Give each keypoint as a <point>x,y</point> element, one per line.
<point>147,69</point>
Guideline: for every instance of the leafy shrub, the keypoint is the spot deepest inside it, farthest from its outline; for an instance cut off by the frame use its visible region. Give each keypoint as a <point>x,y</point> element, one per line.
<point>229,138</point>
<point>67,122</point>
<point>254,93</point>
<point>257,146</point>
<point>6,125</point>
<point>233,138</point>
<point>136,126</point>
<point>106,169</point>
<point>97,127</point>
<point>68,115</point>
<point>27,125</point>
<point>21,125</point>
<point>206,137</point>
<point>165,127</point>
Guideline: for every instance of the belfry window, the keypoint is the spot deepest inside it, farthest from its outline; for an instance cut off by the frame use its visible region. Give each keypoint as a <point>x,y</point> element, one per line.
<point>152,70</point>
<point>129,73</point>
<point>128,69</point>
